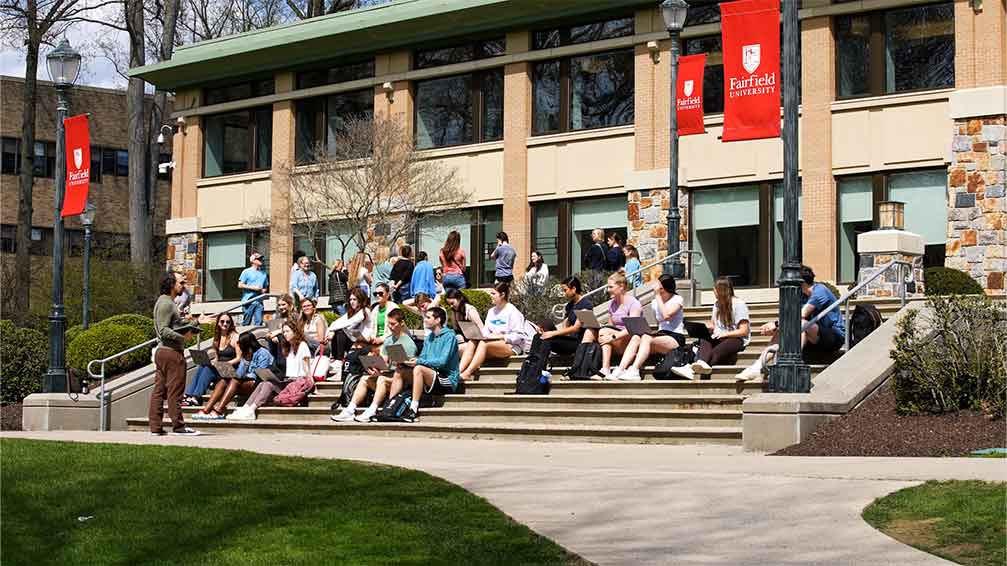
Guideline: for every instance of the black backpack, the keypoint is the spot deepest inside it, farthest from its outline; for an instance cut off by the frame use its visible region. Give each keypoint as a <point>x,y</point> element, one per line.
<point>865,319</point>
<point>395,408</point>
<point>530,378</point>
<point>586,361</point>
<point>681,356</point>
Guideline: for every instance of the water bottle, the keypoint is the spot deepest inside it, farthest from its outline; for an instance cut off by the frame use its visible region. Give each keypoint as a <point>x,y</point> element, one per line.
<point>545,377</point>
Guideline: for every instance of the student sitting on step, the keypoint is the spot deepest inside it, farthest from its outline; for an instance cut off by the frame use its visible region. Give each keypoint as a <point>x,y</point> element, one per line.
<point>435,372</point>
<point>565,338</point>
<point>225,344</point>
<point>669,310</point>
<point>353,329</point>
<point>505,333</point>
<point>294,347</point>
<point>827,335</point>
<point>614,337</point>
<point>253,357</point>
<point>376,381</point>
<point>729,331</point>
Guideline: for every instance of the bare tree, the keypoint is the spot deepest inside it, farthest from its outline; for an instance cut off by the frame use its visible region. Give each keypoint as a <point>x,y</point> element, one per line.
<point>369,184</point>
<point>28,25</point>
<point>208,19</point>
<point>305,9</point>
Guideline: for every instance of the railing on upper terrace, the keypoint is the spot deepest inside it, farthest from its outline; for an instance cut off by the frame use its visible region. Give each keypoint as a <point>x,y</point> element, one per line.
<point>103,424</point>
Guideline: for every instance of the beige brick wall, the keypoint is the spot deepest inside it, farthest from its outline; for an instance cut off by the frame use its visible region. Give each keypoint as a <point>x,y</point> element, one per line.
<point>517,128</point>
<point>281,239</point>
<point>980,44</point>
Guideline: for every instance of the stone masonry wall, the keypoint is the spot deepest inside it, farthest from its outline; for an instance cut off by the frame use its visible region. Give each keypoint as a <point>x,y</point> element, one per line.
<point>647,215</point>
<point>185,255</point>
<point>977,204</point>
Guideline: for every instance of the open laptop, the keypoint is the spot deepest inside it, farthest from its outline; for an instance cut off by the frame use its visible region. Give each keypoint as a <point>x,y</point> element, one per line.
<point>374,362</point>
<point>698,330</point>
<point>587,319</point>
<point>266,374</point>
<point>396,353</point>
<point>471,332</point>
<point>200,357</point>
<point>637,326</point>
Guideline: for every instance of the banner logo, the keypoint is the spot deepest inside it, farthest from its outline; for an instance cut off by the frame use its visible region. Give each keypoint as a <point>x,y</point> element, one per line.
<point>751,56</point>
<point>688,88</point>
<point>78,157</point>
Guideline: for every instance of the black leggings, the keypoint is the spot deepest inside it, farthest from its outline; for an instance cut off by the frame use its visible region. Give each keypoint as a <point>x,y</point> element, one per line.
<point>341,344</point>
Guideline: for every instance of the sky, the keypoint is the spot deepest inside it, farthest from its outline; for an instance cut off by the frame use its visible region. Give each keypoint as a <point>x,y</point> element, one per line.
<point>96,70</point>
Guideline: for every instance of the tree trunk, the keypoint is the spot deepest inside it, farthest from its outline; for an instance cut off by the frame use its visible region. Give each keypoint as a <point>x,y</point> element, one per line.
<point>157,111</point>
<point>139,218</point>
<point>22,300</point>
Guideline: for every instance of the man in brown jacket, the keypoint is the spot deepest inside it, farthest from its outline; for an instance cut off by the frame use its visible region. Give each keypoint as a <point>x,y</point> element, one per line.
<point>169,359</point>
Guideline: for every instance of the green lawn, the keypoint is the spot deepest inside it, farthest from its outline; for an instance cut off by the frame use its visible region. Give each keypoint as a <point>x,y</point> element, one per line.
<point>174,505</point>
<point>963,521</point>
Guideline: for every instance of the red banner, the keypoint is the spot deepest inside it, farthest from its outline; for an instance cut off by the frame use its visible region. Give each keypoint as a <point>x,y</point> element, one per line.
<point>78,164</point>
<point>751,39</point>
<point>689,92</point>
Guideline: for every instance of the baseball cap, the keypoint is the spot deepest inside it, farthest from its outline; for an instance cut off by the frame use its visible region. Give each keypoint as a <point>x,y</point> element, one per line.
<point>255,256</point>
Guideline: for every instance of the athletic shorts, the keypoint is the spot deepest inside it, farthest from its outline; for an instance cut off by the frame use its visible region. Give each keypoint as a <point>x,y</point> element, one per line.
<point>829,340</point>
<point>679,337</point>
<point>442,385</point>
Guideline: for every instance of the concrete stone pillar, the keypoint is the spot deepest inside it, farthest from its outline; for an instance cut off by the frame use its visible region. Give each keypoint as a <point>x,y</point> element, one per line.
<point>819,208</point>
<point>281,239</point>
<point>517,128</point>
<point>876,249</point>
<point>185,255</point>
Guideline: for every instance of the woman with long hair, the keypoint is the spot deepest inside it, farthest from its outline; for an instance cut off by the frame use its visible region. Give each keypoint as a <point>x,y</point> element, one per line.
<point>382,271</point>
<point>730,332</point>
<point>460,310</point>
<point>352,328</point>
<point>452,258</point>
<point>253,357</point>
<point>615,258</point>
<point>360,272</point>
<point>504,331</point>
<point>402,273</point>
<point>225,346</point>
<point>312,323</point>
<point>338,286</point>
<point>297,358</point>
<point>536,274</point>
<point>633,266</point>
<point>614,337</point>
<point>669,310</point>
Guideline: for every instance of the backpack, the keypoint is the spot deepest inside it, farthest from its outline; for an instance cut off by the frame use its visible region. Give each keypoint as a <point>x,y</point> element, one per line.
<point>295,393</point>
<point>681,356</point>
<point>586,361</point>
<point>352,365</point>
<point>394,408</point>
<point>865,319</point>
<point>530,378</point>
<point>350,383</point>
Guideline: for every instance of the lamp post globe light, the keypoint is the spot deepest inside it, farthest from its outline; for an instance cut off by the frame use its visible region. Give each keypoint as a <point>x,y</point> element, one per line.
<point>790,374</point>
<point>64,66</point>
<point>87,219</point>
<point>674,12</point>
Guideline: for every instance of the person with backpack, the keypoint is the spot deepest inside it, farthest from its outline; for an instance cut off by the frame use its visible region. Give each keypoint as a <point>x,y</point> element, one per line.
<point>730,332</point>
<point>669,310</point>
<point>596,254</point>
<point>614,338</point>
<point>253,357</point>
<point>505,332</point>
<point>376,381</point>
<point>435,372</point>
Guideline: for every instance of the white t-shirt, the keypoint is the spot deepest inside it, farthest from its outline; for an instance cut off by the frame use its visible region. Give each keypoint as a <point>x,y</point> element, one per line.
<point>739,312</point>
<point>295,361</point>
<point>677,321</point>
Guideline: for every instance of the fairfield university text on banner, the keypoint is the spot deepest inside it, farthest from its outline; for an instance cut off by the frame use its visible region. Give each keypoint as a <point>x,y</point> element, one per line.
<point>78,164</point>
<point>751,39</point>
<point>689,94</point>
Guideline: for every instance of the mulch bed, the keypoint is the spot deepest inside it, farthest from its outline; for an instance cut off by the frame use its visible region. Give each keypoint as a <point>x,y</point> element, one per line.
<point>875,429</point>
<point>10,417</point>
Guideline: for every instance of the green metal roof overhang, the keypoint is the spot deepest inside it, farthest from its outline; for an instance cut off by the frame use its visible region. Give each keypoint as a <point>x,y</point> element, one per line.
<point>398,24</point>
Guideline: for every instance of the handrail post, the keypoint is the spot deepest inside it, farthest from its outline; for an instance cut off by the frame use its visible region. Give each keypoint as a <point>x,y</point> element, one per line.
<point>903,277</point>
<point>846,324</point>
<point>102,425</point>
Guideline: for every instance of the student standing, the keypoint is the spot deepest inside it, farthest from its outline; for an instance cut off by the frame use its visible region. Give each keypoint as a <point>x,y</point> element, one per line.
<point>402,273</point>
<point>452,258</point>
<point>504,254</point>
<point>304,282</point>
<point>169,362</point>
<point>633,266</point>
<point>594,257</point>
<point>615,259</point>
<point>253,282</point>
<point>536,275</point>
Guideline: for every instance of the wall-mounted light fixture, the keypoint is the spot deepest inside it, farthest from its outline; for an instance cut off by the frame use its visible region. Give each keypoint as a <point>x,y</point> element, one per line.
<point>655,51</point>
<point>389,90</point>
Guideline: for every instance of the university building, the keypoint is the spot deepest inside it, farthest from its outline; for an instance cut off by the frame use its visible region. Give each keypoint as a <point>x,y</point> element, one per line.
<point>556,116</point>
<point>109,187</point>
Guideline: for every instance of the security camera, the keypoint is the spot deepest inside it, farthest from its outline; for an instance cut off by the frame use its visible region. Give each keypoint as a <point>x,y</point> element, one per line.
<point>162,168</point>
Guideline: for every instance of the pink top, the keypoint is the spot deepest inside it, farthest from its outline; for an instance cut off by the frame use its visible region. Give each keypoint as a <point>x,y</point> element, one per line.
<point>617,312</point>
<point>456,265</point>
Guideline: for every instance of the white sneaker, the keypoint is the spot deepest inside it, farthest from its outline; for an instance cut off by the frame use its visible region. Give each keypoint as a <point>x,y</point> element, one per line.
<point>684,371</point>
<point>345,416</point>
<point>365,417</point>
<point>242,414</point>
<point>701,367</point>
<point>613,374</point>
<point>749,373</point>
<point>630,374</point>
<point>602,374</point>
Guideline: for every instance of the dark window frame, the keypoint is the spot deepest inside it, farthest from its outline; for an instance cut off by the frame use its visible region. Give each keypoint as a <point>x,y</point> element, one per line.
<point>566,93</point>
<point>477,107</point>
<point>478,49</point>
<point>320,122</point>
<point>877,58</point>
<point>335,73</point>
<point>17,155</point>
<point>257,87</point>
<point>253,149</point>
<point>559,36</point>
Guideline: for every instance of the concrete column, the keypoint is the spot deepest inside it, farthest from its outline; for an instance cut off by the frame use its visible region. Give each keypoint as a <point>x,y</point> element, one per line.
<point>819,209</point>
<point>517,128</point>
<point>281,240</point>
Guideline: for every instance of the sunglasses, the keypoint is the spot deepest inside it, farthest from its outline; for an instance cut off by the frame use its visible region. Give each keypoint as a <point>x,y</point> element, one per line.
<point>225,322</point>
<point>379,294</point>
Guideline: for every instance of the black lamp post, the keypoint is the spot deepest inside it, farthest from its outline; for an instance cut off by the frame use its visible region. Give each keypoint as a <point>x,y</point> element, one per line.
<point>64,65</point>
<point>674,12</point>
<point>87,219</point>
<point>790,374</point>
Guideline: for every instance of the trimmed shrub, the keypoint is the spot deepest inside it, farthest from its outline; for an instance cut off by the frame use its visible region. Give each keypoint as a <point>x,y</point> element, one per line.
<point>103,340</point>
<point>952,357</point>
<point>138,321</point>
<point>73,331</point>
<point>948,281</point>
<point>24,354</point>
<point>479,299</point>
<point>330,316</point>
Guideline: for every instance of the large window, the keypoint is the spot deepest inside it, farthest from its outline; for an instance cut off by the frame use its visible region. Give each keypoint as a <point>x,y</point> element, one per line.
<point>609,214</point>
<point>582,33</point>
<point>238,142</point>
<point>470,51</point>
<point>11,164</point>
<point>320,120</point>
<point>239,91</point>
<point>336,74</point>
<point>459,110</point>
<point>895,51</point>
<point>726,228</point>
<point>713,73</point>
<point>580,93</point>
<point>226,256</point>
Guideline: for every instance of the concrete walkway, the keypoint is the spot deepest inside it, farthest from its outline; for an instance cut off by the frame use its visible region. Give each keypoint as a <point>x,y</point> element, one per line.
<point>642,505</point>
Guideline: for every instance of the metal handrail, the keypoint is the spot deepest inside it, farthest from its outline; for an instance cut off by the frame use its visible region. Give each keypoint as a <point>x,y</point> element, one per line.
<point>103,425</point>
<point>557,310</point>
<point>845,299</point>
